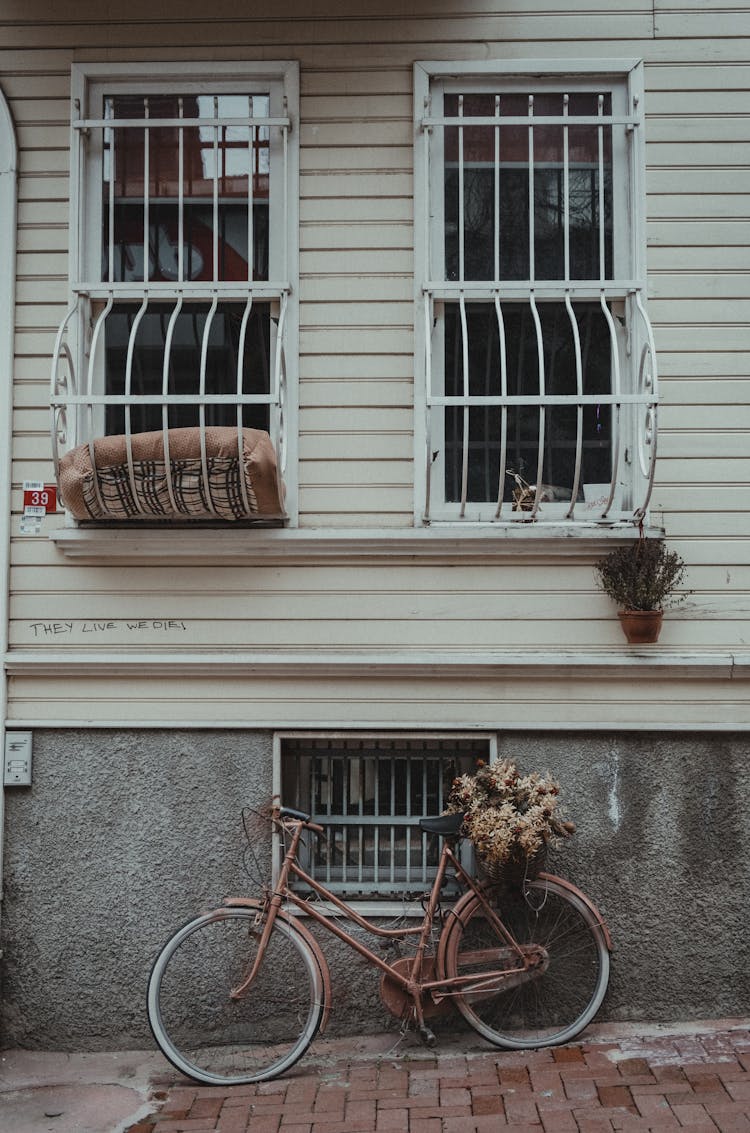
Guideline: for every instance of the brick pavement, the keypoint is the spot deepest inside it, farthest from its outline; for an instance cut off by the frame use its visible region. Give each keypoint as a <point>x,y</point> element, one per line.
<point>647,1083</point>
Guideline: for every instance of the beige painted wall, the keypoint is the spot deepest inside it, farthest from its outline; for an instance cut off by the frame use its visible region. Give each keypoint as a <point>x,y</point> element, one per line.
<point>356,388</point>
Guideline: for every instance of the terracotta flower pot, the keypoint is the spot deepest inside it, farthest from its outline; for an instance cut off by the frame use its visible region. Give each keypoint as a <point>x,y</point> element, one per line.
<point>641,627</point>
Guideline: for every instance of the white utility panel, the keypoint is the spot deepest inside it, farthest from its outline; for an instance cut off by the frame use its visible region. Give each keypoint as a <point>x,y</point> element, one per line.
<point>17,766</point>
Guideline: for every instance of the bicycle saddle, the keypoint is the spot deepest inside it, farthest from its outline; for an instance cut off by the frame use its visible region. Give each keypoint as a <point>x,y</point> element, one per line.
<point>446,824</point>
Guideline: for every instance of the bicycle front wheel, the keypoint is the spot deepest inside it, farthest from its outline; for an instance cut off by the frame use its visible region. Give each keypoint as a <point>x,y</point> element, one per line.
<point>218,1040</point>
<point>550,1005</point>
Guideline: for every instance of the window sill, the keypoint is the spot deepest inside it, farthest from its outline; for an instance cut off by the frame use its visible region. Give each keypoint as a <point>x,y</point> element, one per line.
<point>318,546</point>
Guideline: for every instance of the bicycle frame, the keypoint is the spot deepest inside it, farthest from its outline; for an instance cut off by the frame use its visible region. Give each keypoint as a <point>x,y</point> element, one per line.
<point>530,958</point>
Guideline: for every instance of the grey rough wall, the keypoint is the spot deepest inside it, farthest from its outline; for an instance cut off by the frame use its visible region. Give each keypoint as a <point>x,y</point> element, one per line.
<point>125,835</point>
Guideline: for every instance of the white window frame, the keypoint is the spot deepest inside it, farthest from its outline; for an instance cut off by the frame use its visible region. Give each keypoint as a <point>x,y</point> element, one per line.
<point>76,418</point>
<point>634,403</point>
<point>337,741</point>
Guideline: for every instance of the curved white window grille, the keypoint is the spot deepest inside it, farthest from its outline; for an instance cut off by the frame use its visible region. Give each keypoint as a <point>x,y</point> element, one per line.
<point>183,272</point>
<point>535,348</point>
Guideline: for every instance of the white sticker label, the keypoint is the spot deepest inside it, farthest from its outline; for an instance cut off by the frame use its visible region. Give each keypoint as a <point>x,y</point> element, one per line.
<point>33,485</point>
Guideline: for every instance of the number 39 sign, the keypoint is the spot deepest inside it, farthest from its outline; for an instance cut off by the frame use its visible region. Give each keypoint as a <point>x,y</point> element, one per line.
<point>39,498</point>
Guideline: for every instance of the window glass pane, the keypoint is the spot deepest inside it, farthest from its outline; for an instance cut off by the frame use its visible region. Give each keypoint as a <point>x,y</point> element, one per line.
<point>185,361</point>
<point>485,422</point>
<point>498,165</point>
<point>214,157</point>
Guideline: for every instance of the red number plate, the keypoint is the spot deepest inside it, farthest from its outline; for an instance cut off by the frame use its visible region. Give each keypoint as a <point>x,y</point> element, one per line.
<point>45,497</point>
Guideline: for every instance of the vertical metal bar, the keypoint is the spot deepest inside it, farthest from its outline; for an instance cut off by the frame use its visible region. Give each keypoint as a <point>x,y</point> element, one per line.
<point>542,417</point>
<point>496,235</point>
<point>180,196</point>
<point>111,193</point>
<point>216,192</point>
<point>332,832</point>
<point>67,384</point>
<point>579,406</point>
<point>279,390</point>
<point>165,389</point>
<point>376,814</point>
<point>281,330</point>
<point>503,408</point>
<point>616,390</point>
<point>426,173</point>
<point>202,406</point>
<point>240,407</point>
<point>644,381</point>
<point>146,190</point>
<point>535,315</point>
<point>251,137</point>
<point>128,382</point>
<point>531,190</point>
<point>360,830</point>
<point>98,327</point>
<point>407,825</point>
<point>89,389</point>
<point>566,190</point>
<point>600,133</point>
<point>392,795</point>
<point>465,409</point>
<point>428,310</point>
<point>461,247</point>
<point>285,226</point>
<point>614,350</point>
<point>571,313</point>
<point>462,308</point>
<point>499,315</point>
<point>423,856</point>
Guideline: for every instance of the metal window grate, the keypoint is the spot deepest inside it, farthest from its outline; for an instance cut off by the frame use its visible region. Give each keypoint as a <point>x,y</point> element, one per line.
<point>368,793</point>
<point>538,352</point>
<point>179,313</point>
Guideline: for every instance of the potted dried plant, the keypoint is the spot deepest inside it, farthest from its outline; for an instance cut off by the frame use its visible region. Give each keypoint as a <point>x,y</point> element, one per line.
<point>511,818</point>
<point>643,578</point>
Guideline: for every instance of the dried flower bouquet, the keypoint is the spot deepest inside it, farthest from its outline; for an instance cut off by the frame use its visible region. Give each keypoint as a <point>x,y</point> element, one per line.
<point>511,818</point>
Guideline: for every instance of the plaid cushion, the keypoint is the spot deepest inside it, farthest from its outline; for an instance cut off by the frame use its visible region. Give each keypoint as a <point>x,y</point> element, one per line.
<point>151,495</point>
<point>235,488</point>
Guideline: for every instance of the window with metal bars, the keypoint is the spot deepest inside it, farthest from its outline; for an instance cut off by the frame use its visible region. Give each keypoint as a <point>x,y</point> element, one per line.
<point>183,261</point>
<point>368,792</point>
<point>536,354</point>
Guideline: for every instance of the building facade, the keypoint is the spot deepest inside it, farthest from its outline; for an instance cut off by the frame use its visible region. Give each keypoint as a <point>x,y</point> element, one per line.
<point>293,310</point>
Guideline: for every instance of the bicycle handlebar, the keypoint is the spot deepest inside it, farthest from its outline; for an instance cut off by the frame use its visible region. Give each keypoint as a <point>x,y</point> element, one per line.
<point>300,816</point>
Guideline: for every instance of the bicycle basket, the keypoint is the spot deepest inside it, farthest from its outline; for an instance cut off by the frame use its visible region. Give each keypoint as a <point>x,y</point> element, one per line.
<point>514,870</point>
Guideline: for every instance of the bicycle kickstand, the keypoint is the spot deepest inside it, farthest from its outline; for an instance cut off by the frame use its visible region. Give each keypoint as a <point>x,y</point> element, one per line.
<point>414,1015</point>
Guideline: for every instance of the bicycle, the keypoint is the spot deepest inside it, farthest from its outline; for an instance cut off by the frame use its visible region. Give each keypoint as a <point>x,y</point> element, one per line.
<point>238,994</point>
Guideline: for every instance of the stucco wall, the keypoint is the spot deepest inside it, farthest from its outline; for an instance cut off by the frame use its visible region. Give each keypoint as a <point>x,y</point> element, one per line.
<point>124,835</point>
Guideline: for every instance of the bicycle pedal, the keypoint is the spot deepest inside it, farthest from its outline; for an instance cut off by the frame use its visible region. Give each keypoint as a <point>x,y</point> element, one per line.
<point>427,1036</point>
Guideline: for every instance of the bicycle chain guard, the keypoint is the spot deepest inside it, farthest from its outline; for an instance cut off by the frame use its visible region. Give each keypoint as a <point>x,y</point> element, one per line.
<point>396,999</point>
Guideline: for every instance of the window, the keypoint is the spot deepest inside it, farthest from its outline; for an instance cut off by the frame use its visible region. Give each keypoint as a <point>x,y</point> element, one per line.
<point>183,263</point>
<point>535,353</point>
<point>368,792</point>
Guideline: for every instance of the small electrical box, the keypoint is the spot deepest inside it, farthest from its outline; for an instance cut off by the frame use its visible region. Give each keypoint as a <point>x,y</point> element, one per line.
<point>17,765</point>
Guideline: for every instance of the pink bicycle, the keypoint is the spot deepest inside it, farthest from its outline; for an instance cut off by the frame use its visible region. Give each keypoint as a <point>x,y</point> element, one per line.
<point>238,994</point>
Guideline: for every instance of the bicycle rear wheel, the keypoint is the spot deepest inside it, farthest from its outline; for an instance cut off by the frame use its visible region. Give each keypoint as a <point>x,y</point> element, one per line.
<point>222,1041</point>
<point>554,1004</point>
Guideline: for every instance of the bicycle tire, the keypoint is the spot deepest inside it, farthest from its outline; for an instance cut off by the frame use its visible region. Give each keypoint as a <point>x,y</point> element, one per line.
<point>217,1040</point>
<point>554,1005</point>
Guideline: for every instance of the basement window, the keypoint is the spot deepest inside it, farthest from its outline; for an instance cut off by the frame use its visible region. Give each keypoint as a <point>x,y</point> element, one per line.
<point>368,792</point>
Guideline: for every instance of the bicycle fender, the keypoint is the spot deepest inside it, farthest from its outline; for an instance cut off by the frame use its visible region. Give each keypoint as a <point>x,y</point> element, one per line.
<point>565,884</point>
<point>467,899</point>
<point>297,925</point>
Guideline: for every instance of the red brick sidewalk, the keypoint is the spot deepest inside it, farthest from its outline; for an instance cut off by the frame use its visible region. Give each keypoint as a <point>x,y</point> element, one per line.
<point>700,1082</point>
